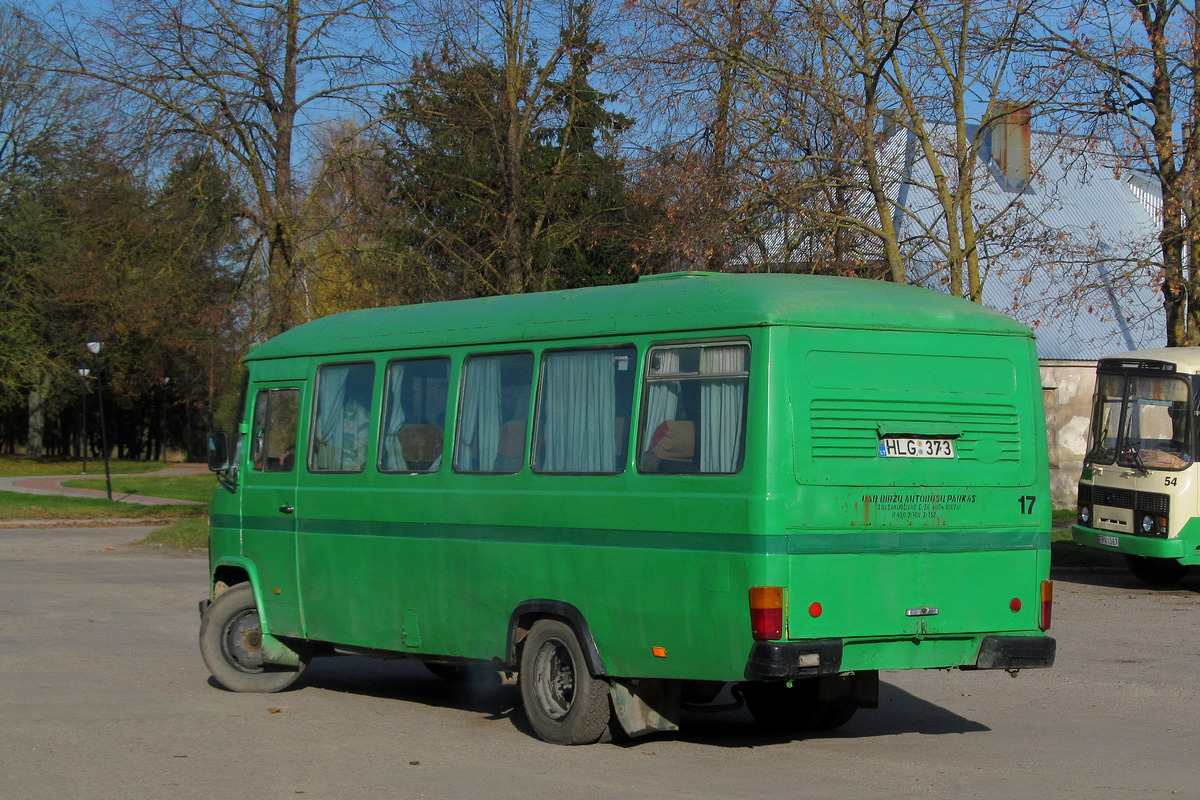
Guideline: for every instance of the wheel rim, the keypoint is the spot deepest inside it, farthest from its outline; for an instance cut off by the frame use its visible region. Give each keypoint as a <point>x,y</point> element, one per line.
<point>242,641</point>
<point>554,684</point>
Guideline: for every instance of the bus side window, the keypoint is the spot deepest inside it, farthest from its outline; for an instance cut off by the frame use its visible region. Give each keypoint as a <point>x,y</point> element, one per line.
<point>273,446</point>
<point>583,409</point>
<point>414,422</point>
<point>342,418</point>
<point>493,413</point>
<point>694,409</point>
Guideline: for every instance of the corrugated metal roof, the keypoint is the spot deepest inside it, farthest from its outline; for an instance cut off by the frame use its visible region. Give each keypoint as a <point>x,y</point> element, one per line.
<point>1071,254</point>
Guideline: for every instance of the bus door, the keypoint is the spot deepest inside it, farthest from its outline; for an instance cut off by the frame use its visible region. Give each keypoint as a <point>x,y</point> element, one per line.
<point>269,502</point>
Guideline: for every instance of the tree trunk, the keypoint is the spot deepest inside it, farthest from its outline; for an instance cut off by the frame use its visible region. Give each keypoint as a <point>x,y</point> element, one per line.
<point>34,444</point>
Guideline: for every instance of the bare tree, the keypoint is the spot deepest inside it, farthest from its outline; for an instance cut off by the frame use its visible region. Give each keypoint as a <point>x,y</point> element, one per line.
<point>351,265</point>
<point>245,80</point>
<point>935,87</point>
<point>718,118</point>
<point>1132,72</point>
<point>795,128</point>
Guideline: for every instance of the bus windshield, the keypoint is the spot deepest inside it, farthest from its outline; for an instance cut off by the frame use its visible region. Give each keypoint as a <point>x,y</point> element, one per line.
<point>1141,422</point>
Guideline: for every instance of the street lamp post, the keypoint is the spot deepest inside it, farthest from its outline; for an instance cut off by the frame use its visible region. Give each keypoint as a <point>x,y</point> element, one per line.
<point>162,441</point>
<point>94,344</point>
<point>83,443</point>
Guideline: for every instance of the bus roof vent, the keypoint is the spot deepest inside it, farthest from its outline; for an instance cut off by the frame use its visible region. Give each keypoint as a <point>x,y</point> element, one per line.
<point>670,276</point>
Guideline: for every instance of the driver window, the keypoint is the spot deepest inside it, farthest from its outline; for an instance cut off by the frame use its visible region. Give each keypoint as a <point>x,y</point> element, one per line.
<point>273,446</point>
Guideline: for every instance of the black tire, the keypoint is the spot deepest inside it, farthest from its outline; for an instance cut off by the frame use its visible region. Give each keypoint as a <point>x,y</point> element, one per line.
<point>1156,571</point>
<point>796,709</point>
<point>836,716</point>
<point>778,707</point>
<point>231,644</point>
<point>564,703</point>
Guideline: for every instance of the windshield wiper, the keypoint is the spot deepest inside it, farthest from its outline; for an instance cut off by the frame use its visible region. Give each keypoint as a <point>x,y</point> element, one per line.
<point>1135,455</point>
<point>1097,452</point>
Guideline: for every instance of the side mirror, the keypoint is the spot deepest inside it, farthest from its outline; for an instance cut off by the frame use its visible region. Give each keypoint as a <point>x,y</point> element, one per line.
<point>218,452</point>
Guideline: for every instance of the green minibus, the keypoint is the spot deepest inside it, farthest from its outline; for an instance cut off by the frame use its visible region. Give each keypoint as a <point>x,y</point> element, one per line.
<point>1139,494</point>
<point>636,496</point>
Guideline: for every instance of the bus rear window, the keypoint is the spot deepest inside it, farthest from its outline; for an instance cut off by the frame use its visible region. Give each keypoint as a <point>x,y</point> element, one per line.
<point>694,409</point>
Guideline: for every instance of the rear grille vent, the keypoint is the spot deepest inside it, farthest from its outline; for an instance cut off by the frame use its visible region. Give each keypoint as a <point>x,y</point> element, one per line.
<point>850,429</point>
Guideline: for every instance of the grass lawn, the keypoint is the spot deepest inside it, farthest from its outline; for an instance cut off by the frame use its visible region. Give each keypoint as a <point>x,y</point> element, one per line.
<point>197,488</point>
<point>188,530</point>
<point>17,505</point>
<point>21,467</point>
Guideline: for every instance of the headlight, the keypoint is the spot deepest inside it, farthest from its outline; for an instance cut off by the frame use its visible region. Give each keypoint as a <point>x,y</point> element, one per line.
<point>1147,523</point>
<point>1085,515</point>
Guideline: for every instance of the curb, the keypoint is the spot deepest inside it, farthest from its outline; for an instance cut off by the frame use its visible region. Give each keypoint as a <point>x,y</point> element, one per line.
<point>103,522</point>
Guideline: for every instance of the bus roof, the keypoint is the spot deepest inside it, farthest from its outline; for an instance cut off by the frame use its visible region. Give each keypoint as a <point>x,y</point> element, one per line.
<point>1186,359</point>
<point>672,302</point>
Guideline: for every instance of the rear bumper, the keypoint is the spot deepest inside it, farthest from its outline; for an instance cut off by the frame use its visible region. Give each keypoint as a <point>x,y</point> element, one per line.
<point>1016,652</point>
<point>791,660</point>
<point>811,657</point>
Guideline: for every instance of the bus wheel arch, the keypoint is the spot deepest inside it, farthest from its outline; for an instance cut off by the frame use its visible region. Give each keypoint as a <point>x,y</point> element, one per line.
<point>527,613</point>
<point>227,576</point>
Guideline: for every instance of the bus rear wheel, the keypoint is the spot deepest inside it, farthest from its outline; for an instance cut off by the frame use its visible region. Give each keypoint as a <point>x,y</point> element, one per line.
<point>231,644</point>
<point>564,703</point>
<point>1156,571</point>
<point>793,709</point>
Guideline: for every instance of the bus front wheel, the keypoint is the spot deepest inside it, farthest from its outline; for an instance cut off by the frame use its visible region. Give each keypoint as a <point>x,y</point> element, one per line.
<point>1156,571</point>
<point>564,703</point>
<point>231,644</point>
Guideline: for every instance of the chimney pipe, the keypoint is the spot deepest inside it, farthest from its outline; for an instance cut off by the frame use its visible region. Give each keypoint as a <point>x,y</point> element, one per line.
<point>1011,143</point>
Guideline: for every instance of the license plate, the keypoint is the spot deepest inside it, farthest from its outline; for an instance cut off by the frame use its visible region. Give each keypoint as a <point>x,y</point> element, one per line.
<point>1108,541</point>
<point>915,447</point>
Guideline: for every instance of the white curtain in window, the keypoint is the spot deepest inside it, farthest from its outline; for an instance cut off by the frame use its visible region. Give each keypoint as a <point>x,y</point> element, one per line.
<point>577,429</point>
<point>343,417</point>
<point>331,399</point>
<point>393,456</point>
<point>662,397</point>
<point>722,409</point>
<point>479,432</point>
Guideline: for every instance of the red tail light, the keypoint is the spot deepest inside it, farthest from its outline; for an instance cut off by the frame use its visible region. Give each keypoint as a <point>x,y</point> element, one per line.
<point>1047,604</point>
<point>766,612</point>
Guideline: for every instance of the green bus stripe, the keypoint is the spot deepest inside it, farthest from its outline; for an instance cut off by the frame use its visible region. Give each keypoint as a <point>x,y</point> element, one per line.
<point>851,542</point>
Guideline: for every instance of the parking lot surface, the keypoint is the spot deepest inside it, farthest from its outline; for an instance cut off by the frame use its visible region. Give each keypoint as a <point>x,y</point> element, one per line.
<point>103,695</point>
